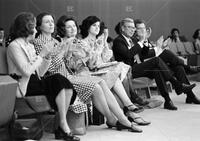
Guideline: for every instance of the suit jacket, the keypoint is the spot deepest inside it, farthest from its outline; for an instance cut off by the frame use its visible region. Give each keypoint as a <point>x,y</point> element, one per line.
<point>23,61</point>
<point>121,51</point>
<point>145,52</point>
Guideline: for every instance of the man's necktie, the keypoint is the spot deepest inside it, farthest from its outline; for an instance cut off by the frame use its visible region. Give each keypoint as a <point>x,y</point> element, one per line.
<point>131,43</point>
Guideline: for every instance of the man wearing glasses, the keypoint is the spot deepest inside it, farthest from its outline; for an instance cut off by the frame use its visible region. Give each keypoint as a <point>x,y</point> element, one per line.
<point>128,50</point>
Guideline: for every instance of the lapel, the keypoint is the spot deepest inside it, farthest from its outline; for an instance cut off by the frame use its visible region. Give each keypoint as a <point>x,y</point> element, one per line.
<point>124,40</point>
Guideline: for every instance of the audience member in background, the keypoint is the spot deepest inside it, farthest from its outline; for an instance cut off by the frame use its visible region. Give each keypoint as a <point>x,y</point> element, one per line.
<point>76,57</point>
<point>23,61</point>
<point>176,37</point>
<point>87,88</point>
<point>196,43</point>
<point>2,37</point>
<point>133,54</point>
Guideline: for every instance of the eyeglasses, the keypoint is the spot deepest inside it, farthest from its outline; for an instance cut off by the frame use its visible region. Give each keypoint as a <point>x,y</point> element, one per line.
<point>129,27</point>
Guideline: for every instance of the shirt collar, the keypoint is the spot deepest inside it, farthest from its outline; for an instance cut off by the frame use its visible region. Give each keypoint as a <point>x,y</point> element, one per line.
<point>127,40</point>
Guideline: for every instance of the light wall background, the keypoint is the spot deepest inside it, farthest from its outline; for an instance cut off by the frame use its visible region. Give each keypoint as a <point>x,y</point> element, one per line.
<point>161,15</point>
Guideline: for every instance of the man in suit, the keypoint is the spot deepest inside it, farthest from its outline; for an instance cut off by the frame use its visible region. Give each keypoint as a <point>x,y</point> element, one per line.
<point>173,61</point>
<point>129,51</point>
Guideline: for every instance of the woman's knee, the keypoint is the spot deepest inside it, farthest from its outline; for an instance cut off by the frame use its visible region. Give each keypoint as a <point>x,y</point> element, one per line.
<point>98,88</point>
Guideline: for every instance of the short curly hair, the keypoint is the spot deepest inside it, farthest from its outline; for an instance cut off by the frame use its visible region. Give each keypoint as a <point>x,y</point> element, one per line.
<point>23,25</point>
<point>86,24</point>
<point>173,30</point>
<point>61,31</point>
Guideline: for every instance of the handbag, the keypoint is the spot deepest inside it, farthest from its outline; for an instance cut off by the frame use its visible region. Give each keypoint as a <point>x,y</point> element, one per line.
<point>31,105</point>
<point>23,129</point>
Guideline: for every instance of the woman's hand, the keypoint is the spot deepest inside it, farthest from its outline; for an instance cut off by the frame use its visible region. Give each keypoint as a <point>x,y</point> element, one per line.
<point>47,49</point>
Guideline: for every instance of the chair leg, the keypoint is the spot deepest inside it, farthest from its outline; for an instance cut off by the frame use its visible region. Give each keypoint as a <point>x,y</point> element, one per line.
<point>148,92</point>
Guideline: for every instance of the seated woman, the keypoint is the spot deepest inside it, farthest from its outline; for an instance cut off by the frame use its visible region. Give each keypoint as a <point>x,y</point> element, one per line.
<point>23,61</point>
<point>76,60</point>
<point>87,88</point>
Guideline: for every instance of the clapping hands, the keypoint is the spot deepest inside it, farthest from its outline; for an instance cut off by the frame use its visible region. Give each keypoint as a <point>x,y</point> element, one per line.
<point>47,49</point>
<point>159,46</point>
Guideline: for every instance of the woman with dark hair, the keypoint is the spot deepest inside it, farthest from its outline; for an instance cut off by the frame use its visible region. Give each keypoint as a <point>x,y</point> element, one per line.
<point>196,43</point>
<point>97,54</point>
<point>87,89</point>
<point>23,61</point>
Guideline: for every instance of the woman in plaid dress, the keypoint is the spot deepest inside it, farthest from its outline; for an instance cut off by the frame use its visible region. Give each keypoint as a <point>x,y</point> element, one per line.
<point>100,94</point>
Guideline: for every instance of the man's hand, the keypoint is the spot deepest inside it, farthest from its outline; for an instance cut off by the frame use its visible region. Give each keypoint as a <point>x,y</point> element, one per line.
<point>159,46</point>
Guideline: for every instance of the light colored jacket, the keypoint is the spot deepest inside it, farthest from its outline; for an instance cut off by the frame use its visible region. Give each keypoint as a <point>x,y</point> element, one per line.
<point>23,61</point>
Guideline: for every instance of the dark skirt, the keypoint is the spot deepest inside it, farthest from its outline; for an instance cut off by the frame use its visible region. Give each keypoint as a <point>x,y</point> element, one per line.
<point>50,87</point>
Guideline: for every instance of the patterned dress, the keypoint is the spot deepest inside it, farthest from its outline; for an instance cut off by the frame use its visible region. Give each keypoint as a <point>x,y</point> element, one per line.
<point>85,56</point>
<point>83,86</point>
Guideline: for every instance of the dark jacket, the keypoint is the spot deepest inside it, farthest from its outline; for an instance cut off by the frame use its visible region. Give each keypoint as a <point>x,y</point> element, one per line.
<point>123,53</point>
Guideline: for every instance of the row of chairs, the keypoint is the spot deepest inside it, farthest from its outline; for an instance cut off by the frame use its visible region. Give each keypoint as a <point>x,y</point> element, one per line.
<point>182,48</point>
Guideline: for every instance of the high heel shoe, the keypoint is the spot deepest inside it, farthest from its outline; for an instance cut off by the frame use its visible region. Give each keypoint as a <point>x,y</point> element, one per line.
<point>139,121</point>
<point>133,118</point>
<point>110,125</point>
<point>135,110</point>
<point>120,126</point>
<point>60,134</point>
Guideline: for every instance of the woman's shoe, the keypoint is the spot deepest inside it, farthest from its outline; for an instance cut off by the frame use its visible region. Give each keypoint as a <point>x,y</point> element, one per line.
<point>132,118</point>
<point>135,110</point>
<point>60,134</point>
<point>139,121</point>
<point>110,125</point>
<point>120,126</point>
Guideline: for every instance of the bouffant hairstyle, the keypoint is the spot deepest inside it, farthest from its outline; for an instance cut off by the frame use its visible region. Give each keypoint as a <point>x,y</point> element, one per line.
<point>102,28</point>
<point>61,31</point>
<point>22,26</point>
<point>196,34</point>
<point>122,23</point>
<point>86,23</point>
<point>39,22</point>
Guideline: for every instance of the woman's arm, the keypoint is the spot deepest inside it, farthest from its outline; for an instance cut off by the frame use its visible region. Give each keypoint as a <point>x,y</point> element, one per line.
<point>20,59</point>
